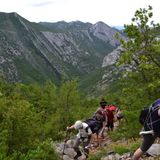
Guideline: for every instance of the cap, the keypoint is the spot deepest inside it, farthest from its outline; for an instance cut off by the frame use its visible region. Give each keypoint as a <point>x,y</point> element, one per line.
<point>78,125</point>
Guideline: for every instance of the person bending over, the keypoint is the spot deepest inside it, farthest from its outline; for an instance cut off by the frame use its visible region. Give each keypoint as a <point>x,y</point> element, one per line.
<point>151,129</point>
<point>83,136</point>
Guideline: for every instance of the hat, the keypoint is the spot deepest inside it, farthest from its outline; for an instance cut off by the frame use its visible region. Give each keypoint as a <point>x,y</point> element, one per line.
<point>78,125</point>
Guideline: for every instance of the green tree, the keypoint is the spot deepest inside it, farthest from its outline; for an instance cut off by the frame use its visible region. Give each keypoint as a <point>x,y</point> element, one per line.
<point>142,53</point>
<point>140,84</point>
<point>68,103</point>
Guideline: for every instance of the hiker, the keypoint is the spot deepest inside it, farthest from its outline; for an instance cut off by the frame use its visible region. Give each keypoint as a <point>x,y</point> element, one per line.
<point>151,128</point>
<point>101,116</point>
<point>110,116</point>
<point>101,110</point>
<point>83,136</point>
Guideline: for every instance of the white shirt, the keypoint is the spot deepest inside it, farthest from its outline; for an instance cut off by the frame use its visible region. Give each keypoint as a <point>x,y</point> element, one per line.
<point>83,132</point>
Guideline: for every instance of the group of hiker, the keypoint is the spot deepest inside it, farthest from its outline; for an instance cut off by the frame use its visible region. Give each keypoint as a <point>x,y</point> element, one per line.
<point>102,119</point>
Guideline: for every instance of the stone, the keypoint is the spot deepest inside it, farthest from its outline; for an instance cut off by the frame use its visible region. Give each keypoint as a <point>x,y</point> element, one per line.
<point>70,152</point>
<point>65,157</point>
<point>154,150</point>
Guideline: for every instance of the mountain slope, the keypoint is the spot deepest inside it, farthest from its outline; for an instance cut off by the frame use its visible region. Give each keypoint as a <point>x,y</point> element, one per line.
<point>40,51</point>
<point>98,82</point>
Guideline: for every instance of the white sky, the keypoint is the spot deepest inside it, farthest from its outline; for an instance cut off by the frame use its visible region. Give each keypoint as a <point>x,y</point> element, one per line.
<point>112,12</point>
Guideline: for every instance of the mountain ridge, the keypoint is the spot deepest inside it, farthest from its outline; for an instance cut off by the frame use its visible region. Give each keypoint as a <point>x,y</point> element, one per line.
<point>32,51</point>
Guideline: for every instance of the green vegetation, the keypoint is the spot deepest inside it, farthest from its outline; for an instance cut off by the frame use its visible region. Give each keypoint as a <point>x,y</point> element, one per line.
<point>98,155</point>
<point>119,147</point>
<point>33,116</point>
<point>139,85</point>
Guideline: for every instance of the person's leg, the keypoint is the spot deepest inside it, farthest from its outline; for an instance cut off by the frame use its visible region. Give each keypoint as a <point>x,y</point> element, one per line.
<point>76,148</point>
<point>148,140</point>
<point>111,126</point>
<point>137,154</point>
<point>86,146</point>
<point>97,139</point>
<point>107,125</point>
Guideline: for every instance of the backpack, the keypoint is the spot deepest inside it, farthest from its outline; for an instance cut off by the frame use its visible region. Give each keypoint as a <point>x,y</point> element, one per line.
<point>119,114</point>
<point>149,117</point>
<point>99,115</point>
<point>93,124</point>
<point>143,115</point>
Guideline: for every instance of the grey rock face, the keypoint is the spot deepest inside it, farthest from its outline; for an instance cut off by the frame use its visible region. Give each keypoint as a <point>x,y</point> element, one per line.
<point>105,33</point>
<point>67,49</point>
<point>60,50</point>
<point>112,57</point>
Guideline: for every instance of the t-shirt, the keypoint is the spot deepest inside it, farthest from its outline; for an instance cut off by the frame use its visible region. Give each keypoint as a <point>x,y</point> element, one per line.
<point>82,133</point>
<point>110,114</point>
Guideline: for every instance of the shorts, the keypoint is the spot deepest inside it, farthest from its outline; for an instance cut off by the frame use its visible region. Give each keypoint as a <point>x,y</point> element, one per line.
<point>148,140</point>
<point>119,117</point>
<point>110,125</point>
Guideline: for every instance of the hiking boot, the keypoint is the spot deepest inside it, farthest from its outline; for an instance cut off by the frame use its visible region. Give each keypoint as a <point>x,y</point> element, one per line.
<point>78,155</point>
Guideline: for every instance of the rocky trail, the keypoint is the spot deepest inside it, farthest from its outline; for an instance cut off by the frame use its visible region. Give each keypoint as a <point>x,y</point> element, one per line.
<point>67,152</point>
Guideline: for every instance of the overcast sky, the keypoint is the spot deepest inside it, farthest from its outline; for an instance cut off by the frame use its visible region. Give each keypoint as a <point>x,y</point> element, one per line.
<point>112,12</point>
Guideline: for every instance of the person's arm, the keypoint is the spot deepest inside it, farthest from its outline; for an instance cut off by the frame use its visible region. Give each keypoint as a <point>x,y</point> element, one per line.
<point>105,114</point>
<point>89,132</point>
<point>98,109</point>
<point>70,128</point>
<point>102,129</point>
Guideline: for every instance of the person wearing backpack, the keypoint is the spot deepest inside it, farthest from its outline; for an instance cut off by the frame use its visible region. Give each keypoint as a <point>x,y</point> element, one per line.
<point>83,136</point>
<point>150,119</point>
<point>101,117</point>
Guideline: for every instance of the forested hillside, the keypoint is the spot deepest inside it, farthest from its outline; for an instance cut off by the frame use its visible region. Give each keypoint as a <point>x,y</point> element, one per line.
<point>34,116</point>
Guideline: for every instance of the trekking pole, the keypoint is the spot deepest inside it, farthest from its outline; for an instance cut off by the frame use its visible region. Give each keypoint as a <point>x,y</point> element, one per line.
<point>65,141</point>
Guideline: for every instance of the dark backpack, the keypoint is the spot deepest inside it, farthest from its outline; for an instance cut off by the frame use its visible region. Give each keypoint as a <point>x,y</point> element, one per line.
<point>143,115</point>
<point>94,125</point>
<point>149,117</point>
<point>119,114</point>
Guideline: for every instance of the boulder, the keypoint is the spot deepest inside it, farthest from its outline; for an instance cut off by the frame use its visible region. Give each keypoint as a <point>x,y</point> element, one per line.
<point>154,150</point>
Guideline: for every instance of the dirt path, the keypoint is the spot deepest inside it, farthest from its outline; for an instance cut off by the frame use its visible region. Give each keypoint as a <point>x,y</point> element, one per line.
<point>97,145</point>
<point>108,141</point>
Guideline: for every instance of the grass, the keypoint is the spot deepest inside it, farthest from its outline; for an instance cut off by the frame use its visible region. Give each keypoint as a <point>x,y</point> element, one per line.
<point>120,147</point>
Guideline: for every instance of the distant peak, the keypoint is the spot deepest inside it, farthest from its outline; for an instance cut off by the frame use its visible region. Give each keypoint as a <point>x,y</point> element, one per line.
<point>9,15</point>
<point>100,23</point>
